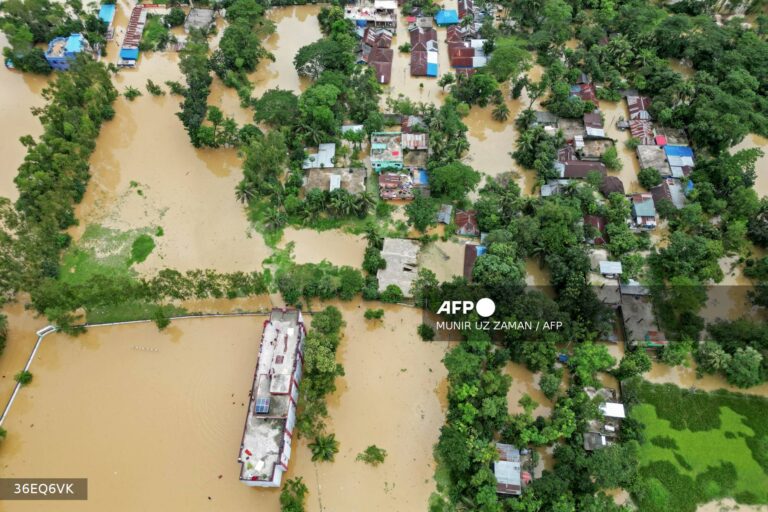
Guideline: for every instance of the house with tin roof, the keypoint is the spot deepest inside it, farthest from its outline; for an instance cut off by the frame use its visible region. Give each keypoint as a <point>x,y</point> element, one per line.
<point>643,211</point>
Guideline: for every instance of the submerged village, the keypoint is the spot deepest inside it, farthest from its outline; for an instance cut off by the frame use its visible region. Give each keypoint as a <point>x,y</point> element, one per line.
<point>230,232</point>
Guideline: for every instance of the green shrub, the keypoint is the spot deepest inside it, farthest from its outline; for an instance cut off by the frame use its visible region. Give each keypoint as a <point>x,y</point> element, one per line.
<point>374,314</point>
<point>154,89</point>
<point>392,294</point>
<point>141,248</point>
<point>24,377</point>
<point>426,332</point>
<point>131,93</point>
<point>649,177</point>
<point>372,455</point>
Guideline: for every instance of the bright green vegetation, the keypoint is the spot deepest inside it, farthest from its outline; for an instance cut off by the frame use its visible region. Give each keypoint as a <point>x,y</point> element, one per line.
<point>24,377</point>
<point>700,447</point>
<point>374,314</point>
<point>154,89</point>
<point>319,380</point>
<point>425,332</point>
<point>372,455</point>
<point>131,93</point>
<point>102,251</point>
<point>132,310</point>
<point>156,35</point>
<point>142,246</point>
<point>324,448</point>
<point>292,495</point>
<point>313,280</point>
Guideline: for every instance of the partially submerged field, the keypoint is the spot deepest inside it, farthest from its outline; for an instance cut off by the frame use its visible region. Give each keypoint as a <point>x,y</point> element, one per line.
<point>698,447</point>
<point>163,416</point>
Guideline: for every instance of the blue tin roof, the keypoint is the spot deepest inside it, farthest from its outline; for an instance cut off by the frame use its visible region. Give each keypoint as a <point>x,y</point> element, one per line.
<point>447,17</point>
<point>129,53</point>
<point>480,250</point>
<point>681,151</point>
<point>107,13</point>
<point>431,69</point>
<point>423,178</point>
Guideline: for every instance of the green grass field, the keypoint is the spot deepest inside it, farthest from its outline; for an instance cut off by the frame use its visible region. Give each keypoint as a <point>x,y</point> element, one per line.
<point>102,250</point>
<point>699,447</point>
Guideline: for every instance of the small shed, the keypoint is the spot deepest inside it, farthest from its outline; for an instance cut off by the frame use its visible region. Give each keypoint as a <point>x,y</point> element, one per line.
<point>610,268</point>
<point>613,410</point>
<point>444,214</point>
<point>466,223</point>
<point>508,470</point>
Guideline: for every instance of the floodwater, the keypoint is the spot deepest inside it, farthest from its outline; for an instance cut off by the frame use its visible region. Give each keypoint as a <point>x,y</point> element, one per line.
<point>686,377</point>
<point>612,111</point>
<point>417,88</point>
<point>171,418</point>
<point>729,504</point>
<point>525,382</point>
<point>145,174</point>
<point>22,326</point>
<point>21,92</point>
<point>761,167</point>
<point>445,259</point>
<point>334,245</point>
<point>491,141</point>
<point>295,27</point>
<point>536,274</point>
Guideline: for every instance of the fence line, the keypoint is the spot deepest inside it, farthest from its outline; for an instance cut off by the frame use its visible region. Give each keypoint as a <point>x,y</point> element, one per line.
<point>42,333</point>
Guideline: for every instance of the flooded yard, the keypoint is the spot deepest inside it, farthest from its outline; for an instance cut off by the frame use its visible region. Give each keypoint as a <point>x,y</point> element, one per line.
<point>165,410</point>
<point>147,175</point>
<point>445,259</point>
<point>336,246</point>
<point>20,93</point>
<point>612,111</point>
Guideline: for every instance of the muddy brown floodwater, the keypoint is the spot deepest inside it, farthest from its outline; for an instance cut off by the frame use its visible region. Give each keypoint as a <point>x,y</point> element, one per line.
<point>336,246</point>
<point>20,92</point>
<point>612,111</point>
<point>156,418</point>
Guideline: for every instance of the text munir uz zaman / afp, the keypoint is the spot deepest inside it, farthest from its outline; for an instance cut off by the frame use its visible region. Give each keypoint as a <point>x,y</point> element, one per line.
<point>485,307</point>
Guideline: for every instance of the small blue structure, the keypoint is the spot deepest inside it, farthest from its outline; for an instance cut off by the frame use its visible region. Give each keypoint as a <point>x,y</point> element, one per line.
<point>447,17</point>
<point>679,151</point>
<point>63,50</point>
<point>420,177</point>
<point>129,54</point>
<point>107,13</point>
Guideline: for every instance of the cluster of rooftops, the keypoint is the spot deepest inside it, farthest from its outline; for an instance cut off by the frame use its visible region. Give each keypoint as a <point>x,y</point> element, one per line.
<point>62,51</point>
<point>663,149</point>
<point>376,24</point>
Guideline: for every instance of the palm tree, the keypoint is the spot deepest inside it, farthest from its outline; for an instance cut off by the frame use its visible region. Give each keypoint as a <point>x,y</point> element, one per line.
<point>365,201</point>
<point>324,448</point>
<point>501,112</point>
<point>274,218</point>
<point>526,119</point>
<point>245,191</point>
<point>373,235</point>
